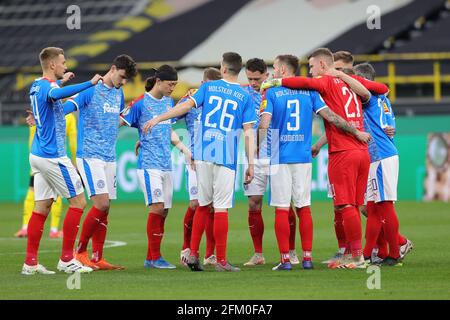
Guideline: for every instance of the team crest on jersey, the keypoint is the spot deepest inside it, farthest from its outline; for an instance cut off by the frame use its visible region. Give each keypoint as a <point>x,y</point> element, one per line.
<point>157,193</point>
<point>194,190</point>
<point>100,184</point>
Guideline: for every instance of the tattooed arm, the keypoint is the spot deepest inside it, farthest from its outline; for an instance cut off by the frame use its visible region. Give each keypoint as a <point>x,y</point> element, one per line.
<point>340,123</point>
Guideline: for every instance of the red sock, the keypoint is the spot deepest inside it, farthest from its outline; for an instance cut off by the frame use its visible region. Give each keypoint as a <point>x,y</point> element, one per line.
<point>198,227</point>
<point>373,228</point>
<point>306,229</point>
<point>90,224</point>
<point>98,238</point>
<point>390,227</point>
<point>188,218</point>
<point>353,231</point>
<point>292,228</point>
<point>256,226</point>
<point>70,230</point>
<point>282,232</point>
<point>35,229</point>
<point>401,239</point>
<point>154,235</point>
<point>382,246</point>
<point>220,235</point>
<point>209,230</point>
<point>162,223</point>
<point>339,229</point>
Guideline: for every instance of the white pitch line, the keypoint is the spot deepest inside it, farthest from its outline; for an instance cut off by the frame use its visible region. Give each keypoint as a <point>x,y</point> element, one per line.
<point>108,244</point>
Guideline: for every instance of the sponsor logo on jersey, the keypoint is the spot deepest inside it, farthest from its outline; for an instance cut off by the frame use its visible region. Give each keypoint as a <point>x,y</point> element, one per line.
<point>107,108</point>
<point>194,190</point>
<point>78,184</point>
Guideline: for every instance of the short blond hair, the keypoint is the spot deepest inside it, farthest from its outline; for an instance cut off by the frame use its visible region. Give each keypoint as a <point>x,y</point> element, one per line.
<point>343,56</point>
<point>211,74</point>
<point>48,54</point>
<point>323,53</point>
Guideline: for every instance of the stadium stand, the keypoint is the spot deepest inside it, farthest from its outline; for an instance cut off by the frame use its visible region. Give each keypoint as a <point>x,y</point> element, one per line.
<point>410,51</point>
<point>393,24</point>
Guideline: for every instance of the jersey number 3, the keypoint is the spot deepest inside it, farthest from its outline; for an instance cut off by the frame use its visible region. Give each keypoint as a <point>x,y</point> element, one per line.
<point>294,107</point>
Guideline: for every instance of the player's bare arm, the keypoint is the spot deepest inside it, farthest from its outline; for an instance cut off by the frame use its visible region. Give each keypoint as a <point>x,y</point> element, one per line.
<point>176,141</point>
<point>137,146</point>
<point>340,123</point>
<point>262,129</point>
<point>177,111</point>
<point>249,151</point>
<point>315,149</point>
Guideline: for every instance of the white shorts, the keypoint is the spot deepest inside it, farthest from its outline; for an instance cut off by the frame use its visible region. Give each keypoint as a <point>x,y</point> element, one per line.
<point>53,177</point>
<point>383,179</point>
<point>259,183</point>
<point>291,183</point>
<point>99,177</point>
<point>215,184</point>
<point>191,183</point>
<point>157,186</point>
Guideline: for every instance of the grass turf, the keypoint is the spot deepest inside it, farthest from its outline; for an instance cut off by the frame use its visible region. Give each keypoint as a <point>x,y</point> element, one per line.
<point>425,274</point>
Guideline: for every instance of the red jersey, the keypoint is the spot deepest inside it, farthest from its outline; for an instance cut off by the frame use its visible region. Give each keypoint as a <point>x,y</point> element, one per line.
<point>343,101</point>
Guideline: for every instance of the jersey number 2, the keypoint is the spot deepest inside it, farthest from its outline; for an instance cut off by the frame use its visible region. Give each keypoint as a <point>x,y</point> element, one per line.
<point>223,116</point>
<point>351,96</point>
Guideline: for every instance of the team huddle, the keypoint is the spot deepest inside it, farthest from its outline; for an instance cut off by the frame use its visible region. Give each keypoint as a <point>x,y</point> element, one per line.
<point>275,118</point>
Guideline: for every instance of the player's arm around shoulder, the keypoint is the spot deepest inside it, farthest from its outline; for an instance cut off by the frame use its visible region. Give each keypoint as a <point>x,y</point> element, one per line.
<point>174,112</point>
<point>353,83</point>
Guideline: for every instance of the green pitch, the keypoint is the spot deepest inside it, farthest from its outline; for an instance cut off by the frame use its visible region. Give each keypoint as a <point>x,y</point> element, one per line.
<point>425,274</point>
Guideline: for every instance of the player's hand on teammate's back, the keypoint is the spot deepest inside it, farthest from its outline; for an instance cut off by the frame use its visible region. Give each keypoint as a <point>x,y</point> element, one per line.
<point>148,126</point>
<point>95,79</point>
<point>249,174</point>
<point>67,77</point>
<point>364,136</point>
<point>390,131</point>
<point>315,149</point>
<point>136,147</point>
<point>270,83</point>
